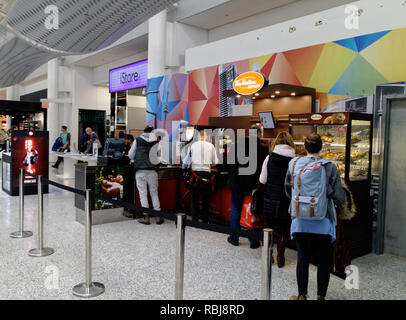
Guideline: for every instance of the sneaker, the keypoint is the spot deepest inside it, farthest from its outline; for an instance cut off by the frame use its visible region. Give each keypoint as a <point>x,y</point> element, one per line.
<point>235,244</point>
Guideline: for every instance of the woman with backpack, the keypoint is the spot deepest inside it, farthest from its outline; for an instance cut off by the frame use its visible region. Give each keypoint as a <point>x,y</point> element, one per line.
<point>314,186</point>
<point>276,203</point>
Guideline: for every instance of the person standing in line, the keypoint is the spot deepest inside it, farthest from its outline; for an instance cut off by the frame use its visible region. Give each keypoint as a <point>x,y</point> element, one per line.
<point>129,140</point>
<point>202,156</point>
<point>3,139</point>
<point>314,237</point>
<point>93,138</point>
<point>146,174</point>
<point>276,203</point>
<point>65,137</point>
<point>243,185</point>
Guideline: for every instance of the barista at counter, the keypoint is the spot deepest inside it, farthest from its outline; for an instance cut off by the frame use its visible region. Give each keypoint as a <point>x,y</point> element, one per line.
<point>146,175</point>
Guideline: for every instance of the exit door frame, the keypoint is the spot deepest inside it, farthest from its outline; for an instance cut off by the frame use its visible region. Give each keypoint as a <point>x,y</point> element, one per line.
<point>383,169</point>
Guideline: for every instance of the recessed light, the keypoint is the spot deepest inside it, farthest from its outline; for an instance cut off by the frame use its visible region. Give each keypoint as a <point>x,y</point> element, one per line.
<point>257,94</point>
<point>293,94</point>
<point>277,92</point>
<point>272,96</point>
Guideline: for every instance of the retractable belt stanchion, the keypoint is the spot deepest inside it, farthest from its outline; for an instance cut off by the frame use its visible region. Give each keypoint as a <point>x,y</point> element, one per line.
<point>180,255</point>
<point>21,233</point>
<point>88,289</point>
<point>267,265</point>
<point>40,251</point>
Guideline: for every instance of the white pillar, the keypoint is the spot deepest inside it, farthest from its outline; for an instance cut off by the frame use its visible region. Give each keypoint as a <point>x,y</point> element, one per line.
<point>157,45</point>
<point>53,112</point>
<point>12,93</point>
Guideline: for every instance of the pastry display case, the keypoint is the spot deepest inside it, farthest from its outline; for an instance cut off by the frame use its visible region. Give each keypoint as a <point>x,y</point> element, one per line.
<point>346,140</point>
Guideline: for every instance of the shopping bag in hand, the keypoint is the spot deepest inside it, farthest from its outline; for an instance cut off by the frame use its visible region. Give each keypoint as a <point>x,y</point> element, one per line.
<point>248,219</point>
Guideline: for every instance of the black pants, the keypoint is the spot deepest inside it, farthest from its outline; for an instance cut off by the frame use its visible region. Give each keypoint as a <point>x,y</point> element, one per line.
<point>320,246</point>
<point>58,162</point>
<point>280,226</point>
<point>198,193</point>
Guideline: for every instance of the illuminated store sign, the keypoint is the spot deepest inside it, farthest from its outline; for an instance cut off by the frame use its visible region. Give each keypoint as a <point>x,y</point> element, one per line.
<point>248,83</point>
<point>128,77</point>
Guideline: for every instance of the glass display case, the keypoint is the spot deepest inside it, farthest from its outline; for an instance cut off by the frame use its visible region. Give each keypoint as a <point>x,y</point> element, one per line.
<point>346,140</point>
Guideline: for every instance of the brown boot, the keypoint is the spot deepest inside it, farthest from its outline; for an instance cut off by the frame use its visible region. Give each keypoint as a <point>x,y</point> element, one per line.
<point>281,252</point>
<point>321,298</point>
<point>300,297</point>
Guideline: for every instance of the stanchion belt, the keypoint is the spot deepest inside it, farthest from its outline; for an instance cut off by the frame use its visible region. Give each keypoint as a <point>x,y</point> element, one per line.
<point>254,235</point>
<point>56,184</point>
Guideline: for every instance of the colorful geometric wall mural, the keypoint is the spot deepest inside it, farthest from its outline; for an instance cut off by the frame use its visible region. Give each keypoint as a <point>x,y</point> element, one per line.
<point>340,69</point>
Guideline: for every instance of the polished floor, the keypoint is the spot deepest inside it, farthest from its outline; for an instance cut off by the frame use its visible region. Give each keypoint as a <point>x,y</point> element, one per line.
<point>134,261</point>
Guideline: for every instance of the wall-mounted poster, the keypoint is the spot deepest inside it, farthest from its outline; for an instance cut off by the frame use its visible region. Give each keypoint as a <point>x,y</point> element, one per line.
<point>110,183</point>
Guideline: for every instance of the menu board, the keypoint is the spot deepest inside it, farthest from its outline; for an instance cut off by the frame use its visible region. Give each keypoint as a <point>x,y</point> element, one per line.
<point>319,118</point>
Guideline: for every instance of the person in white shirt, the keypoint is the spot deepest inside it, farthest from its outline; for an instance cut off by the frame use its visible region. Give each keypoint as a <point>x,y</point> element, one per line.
<point>202,157</point>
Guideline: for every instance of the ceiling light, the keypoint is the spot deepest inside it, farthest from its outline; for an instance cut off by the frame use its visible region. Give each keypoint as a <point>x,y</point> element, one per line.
<point>257,94</point>
<point>277,92</point>
<point>293,94</point>
<point>272,96</point>
<point>238,96</point>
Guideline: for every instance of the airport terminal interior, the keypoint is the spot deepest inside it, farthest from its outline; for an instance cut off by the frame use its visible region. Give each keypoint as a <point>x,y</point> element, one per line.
<point>121,129</point>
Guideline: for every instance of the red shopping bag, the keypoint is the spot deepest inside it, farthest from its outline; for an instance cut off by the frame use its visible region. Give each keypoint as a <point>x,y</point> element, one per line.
<point>248,219</point>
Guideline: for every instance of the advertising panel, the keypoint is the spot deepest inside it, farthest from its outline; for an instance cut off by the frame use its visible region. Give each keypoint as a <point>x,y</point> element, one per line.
<point>110,183</point>
<point>30,152</point>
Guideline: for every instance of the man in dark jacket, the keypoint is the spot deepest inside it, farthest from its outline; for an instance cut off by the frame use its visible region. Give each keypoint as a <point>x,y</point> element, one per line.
<point>241,181</point>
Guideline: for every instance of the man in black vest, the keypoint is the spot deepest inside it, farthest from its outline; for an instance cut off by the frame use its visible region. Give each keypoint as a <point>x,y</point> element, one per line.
<point>146,171</point>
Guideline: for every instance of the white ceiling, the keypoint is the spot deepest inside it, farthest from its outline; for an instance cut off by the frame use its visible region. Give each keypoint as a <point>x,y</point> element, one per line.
<point>232,11</point>
<point>121,51</point>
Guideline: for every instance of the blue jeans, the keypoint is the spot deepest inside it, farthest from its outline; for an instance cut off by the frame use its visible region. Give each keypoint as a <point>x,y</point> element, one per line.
<point>237,200</point>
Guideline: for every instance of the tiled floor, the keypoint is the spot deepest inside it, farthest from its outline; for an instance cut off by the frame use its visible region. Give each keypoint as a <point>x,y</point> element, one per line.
<point>135,261</point>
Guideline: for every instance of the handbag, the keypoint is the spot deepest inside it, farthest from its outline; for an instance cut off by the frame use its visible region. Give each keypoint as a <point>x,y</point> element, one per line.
<point>257,201</point>
<point>194,181</point>
<point>248,219</point>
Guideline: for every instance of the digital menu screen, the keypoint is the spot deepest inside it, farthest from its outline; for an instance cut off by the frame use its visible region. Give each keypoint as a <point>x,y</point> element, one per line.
<point>30,152</point>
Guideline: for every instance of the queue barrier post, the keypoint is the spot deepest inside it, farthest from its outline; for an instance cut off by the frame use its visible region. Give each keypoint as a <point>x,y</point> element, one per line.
<point>40,251</point>
<point>180,255</point>
<point>88,289</point>
<point>21,233</point>
<point>267,265</point>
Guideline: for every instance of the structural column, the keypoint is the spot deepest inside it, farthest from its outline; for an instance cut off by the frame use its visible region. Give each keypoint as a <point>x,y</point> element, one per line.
<point>53,112</point>
<point>157,45</point>
<point>13,93</point>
